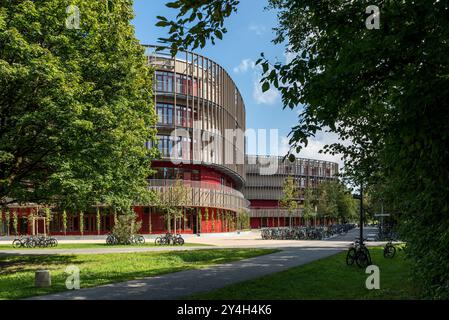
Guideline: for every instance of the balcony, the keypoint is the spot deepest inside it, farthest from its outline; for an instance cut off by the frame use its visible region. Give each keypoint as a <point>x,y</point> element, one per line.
<point>204,194</point>
<point>273,212</point>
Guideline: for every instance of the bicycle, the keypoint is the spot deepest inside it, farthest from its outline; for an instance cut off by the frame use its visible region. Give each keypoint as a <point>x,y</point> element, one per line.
<point>164,240</point>
<point>111,239</point>
<point>137,239</point>
<point>177,239</point>
<point>19,242</point>
<point>359,254</point>
<point>389,250</point>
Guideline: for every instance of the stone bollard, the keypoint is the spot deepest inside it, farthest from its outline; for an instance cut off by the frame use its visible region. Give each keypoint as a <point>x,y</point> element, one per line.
<point>42,278</point>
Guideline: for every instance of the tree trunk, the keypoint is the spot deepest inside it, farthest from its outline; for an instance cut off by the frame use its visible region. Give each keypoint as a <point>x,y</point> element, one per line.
<point>174,226</point>
<point>149,220</point>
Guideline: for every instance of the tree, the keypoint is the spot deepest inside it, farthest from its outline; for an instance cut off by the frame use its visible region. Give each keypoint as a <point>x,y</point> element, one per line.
<point>327,199</point>
<point>310,203</point>
<point>76,106</point>
<point>289,200</point>
<point>173,201</point>
<point>125,227</point>
<point>383,89</point>
<point>334,201</point>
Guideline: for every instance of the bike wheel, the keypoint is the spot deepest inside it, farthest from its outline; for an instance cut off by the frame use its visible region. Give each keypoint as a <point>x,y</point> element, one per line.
<point>350,257</point>
<point>17,243</point>
<point>389,251</point>
<point>140,240</point>
<point>158,241</point>
<point>362,259</point>
<point>181,241</point>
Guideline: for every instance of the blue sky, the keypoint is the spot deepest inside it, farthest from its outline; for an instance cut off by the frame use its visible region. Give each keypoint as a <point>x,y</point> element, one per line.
<point>249,33</point>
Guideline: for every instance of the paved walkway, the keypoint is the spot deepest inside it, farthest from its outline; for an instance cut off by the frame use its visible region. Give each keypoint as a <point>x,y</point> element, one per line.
<point>185,283</point>
<point>247,240</point>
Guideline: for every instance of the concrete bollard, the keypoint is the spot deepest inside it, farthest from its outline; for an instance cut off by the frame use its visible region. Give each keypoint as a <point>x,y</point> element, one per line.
<point>42,278</point>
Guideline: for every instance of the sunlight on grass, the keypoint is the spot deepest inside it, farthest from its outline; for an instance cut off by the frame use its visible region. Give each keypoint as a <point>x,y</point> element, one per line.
<point>328,278</point>
<point>17,272</point>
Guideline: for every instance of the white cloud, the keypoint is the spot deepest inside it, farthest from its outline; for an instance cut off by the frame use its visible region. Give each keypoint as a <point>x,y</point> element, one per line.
<point>258,29</point>
<point>268,97</point>
<point>244,66</point>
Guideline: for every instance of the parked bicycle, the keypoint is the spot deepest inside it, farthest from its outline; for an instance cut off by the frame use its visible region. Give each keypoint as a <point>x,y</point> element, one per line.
<point>359,254</point>
<point>389,250</point>
<point>137,239</point>
<point>305,232</point>
<point>168,239</point>
<point>34,241</point>
<point>112,240</point>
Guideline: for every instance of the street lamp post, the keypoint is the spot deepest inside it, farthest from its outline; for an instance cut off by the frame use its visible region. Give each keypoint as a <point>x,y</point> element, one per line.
<point>361,214</point>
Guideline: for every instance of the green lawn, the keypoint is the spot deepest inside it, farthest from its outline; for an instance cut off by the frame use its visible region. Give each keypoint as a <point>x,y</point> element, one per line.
<point>93,246</point>
<point>17,272</point>
<point>329,278</point>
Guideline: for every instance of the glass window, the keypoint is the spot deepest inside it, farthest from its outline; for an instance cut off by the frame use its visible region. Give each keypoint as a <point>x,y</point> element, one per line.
<point>164,81</point>
<point>196,175</point>
<point>165,113</point>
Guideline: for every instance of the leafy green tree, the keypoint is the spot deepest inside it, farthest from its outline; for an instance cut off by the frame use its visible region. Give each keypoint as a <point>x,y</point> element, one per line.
<point>290,196</point>
<point>76,105</point>
<point>310,203</point>
<point>125,227</point>
<point>173,201</point>
<point>327,199</point>
<point>383,89</point>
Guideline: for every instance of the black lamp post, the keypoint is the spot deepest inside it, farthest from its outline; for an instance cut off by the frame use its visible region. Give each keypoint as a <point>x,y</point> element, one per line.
<point>355,196</point>
<point>361,214</point>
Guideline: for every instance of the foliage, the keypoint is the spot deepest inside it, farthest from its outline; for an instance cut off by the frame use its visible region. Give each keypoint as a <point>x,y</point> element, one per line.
<point>385,91</point>
<point>125,227</point>
<point>336,202</point>
<point>173,200</point>
<point>76,105</point>
<point>243,220</point>
<point>64,221</point>
<point>290,196</point>
<point>48,218</point>
<point>15,222</point>
<point>310,203</point>
<point>209,14</point>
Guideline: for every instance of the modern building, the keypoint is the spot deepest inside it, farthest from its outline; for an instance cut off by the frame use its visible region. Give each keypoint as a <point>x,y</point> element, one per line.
<point>201,141</point>
<point>265,176</point>
<point>200,137</point>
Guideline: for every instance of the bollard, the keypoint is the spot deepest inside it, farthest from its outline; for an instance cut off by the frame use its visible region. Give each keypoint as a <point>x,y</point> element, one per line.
<point>42,278</point>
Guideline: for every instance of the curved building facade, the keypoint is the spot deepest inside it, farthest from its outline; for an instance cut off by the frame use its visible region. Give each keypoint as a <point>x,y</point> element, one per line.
<point>201,125</point>
<point>200,137</point>
<point>265,176</point>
